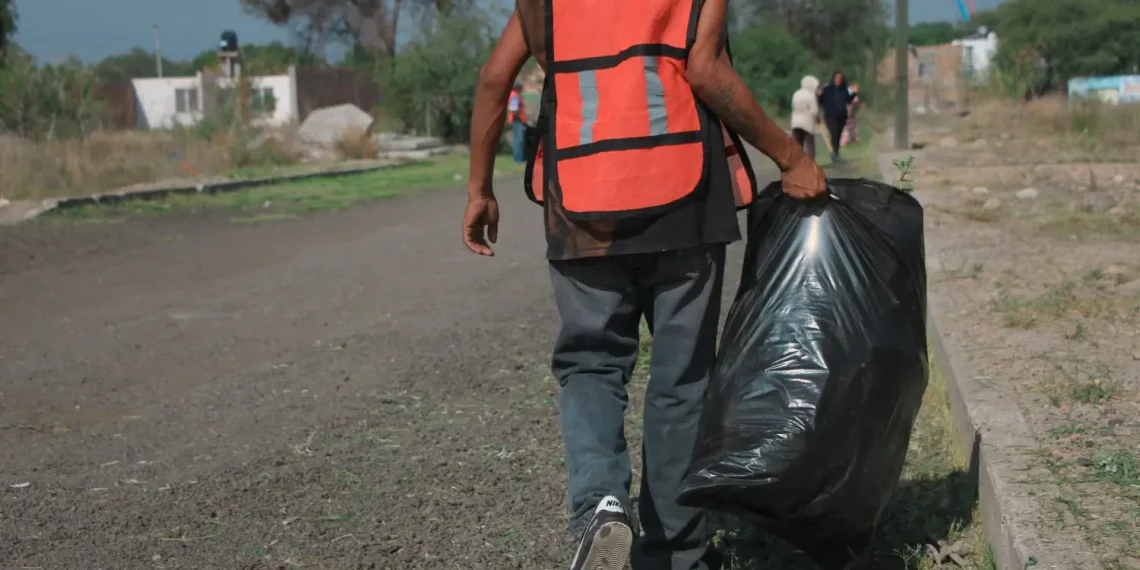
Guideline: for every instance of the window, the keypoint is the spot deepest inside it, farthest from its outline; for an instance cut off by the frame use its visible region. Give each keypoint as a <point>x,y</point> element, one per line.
<point>262,100</point>
<point>186,100</point>
<point>968,61</point>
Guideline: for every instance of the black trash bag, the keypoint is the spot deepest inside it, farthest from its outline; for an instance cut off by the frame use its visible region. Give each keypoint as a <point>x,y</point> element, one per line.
<point>821,369</point>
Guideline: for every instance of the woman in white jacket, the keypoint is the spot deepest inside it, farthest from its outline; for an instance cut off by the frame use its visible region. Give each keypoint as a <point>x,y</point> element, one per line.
<point>805,114</point>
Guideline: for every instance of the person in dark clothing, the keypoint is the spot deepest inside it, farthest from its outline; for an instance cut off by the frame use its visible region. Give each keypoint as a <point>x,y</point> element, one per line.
<point>833,101</point>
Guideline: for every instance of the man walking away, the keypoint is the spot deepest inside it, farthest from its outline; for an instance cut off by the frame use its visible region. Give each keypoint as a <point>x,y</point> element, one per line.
<point>642,170</point>
<point>516,116</point>
<point>834,100</point>
<point>805,114</point>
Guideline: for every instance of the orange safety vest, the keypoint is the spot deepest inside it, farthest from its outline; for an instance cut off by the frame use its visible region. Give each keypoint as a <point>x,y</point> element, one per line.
<point>516,99</point>
<point>622,133</point>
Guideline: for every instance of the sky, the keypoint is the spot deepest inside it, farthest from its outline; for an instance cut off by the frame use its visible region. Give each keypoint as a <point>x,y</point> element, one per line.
<point>52,30</point>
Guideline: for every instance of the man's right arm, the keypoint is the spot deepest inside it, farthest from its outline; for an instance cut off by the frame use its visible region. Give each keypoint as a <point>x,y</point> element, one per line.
<point>717,84</point>
<point>489,111</point>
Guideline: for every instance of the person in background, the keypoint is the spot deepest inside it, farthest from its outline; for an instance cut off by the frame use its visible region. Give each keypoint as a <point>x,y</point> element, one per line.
<point>805,114</point>
<point>516,116</point>
<point>851,129</point>
<point>833,100</point>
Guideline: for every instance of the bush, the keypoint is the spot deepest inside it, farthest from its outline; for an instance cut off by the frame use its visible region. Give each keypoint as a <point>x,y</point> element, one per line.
<point>771,62</point>
<point>48,101</point>
<point>432,85</point>
<point>357,144</point>
<point>1047,43</point>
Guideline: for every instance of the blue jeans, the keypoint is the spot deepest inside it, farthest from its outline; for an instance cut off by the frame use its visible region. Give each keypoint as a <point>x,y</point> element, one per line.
<point>601,301</point>
<point>518,140</point>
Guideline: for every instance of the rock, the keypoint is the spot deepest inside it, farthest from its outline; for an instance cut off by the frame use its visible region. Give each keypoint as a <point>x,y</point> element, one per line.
<point>1028,194</point>
<point>399,142</point>
<point>1129,288</point>
<point>327,125</point>
<point>1117,211</point>
<point>14,212</point>
<point>992,204</point>
<point>1005,136</point>
<point>948,142</point>
<point>980,190</point>
<point>1118,179</point>
<point>421,154</point>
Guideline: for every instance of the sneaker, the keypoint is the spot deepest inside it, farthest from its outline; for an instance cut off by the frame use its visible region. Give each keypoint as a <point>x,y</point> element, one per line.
<point>609,535</point>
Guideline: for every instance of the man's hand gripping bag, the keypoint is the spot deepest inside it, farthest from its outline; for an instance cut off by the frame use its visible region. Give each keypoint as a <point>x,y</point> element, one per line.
<point>821,369</point>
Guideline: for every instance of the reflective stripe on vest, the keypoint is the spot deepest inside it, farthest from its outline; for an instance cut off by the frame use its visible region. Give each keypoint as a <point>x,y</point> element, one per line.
<point>744,186</point>
<point>625,135</point>
<point>626,131</point>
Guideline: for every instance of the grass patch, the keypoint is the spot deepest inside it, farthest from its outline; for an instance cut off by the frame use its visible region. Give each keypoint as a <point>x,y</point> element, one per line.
<point>1084,225</point>
<point>1077,299</point>
<point>259,218</point>
<point>278,201</point>
<point>110,160</point>
<point>860,160</point>
<point>1120,467</point>
<point>1091,387</point>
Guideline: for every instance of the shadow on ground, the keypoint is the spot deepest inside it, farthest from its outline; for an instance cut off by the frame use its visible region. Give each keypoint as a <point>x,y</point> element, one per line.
<point>925,511</point>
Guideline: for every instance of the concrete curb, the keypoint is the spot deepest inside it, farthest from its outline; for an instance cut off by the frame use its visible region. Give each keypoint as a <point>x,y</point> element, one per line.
<point>997,442</point>
<point>23,210</point>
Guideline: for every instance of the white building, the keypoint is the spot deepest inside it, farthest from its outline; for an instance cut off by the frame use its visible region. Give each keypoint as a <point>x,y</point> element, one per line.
<point>978,52</point>
<point>165,102</point>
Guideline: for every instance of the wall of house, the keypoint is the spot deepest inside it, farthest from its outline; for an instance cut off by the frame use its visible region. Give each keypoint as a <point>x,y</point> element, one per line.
<point>156,103</point>
<point>935,77</point>
<point>1114,89</point>
<point>978,53</point>
<point>283,94</point>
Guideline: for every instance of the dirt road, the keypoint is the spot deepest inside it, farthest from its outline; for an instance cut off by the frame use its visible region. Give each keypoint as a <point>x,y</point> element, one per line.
<point>347,390</point>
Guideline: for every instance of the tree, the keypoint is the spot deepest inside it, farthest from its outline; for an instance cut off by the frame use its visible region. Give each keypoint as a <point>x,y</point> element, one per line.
<point>370,24</point>
<point>49,101</point>
<point>934,33</point>
<point>849,34</point>
<point>1068,38</point>
<point>121,68</point>
<point>432,86</point>
<point>771,61</point>
<point>270,59</point>
<point>8,20</point>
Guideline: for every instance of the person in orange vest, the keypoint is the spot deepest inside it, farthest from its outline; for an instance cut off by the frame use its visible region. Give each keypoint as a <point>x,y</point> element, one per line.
<point>640,172</point>
<point>516,116</point>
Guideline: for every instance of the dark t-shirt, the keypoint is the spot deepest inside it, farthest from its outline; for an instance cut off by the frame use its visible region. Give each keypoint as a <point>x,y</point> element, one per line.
<point>705,218</point>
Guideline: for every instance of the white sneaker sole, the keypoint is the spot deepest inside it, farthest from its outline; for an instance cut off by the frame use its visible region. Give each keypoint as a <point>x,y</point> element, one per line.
<point>610,548</point>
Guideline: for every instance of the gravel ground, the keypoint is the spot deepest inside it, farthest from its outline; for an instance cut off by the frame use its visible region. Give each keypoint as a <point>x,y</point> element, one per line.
<point>1037,268</point>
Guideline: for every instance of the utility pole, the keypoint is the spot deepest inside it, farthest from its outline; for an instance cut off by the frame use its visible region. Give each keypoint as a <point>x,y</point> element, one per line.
<point>902,72</point>
<point>157,51</point>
